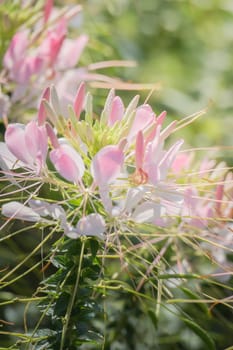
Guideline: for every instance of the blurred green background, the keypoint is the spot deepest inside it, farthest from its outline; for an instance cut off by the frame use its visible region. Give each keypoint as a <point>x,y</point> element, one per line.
<point>186,45</point>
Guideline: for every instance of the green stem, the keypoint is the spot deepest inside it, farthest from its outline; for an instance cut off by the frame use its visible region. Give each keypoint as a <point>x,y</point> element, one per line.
<point>72,299</point>
<point>25,260</point>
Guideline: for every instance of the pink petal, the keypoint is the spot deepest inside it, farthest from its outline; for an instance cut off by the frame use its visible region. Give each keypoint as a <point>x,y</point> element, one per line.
<point>144,117</point>
<point>70,52</point>
<point>158,123</point>
<point>219,196</point>
<point>117,111</point>
<point>181,162</point>
<point>107,106</point>
<point>47,10</point>
<point>139,152</point>
<point>35,65</point>
<point>153,173</point>
<point>152,134</point>
<point>20,71</point>
<point>52,44</point>
<point>168,130</point>
<point>154,150</point>
<point>15,141</point>
<point>36,140</point>
<point>52,136</point>
<point>68,163</point>
<point>166,162</point>
<point>42,114</point>
<point>79,100</point>
<point>16,50</point>
<point>161,117</point>
<point>107,164</point>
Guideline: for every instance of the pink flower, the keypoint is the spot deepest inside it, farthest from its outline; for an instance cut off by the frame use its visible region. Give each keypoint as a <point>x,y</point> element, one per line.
<point>21,65</point>
<point>152,162</point>
<point>28,143</point>
<point>16,50</point>
<point>68,163</point>
<point>51,46</point>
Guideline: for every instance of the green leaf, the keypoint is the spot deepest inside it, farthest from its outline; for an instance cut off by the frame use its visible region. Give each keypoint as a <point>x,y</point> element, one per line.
<point>195,296</point>
<point>200,332</point>
<point>61,305</point>
<point>94,245</point>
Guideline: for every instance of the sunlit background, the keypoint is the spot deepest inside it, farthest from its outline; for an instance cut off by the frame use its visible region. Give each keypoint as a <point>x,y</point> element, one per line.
<point>186,45</point>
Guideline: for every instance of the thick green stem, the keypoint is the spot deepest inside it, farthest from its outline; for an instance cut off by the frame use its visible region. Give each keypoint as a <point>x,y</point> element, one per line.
<point>72,299</point>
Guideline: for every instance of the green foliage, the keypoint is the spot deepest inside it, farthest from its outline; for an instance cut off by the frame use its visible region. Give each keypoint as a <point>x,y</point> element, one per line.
<point>70,311</point>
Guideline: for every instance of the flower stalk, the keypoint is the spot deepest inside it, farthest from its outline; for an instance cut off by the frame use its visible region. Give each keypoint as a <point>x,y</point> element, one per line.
<point>73,297</point>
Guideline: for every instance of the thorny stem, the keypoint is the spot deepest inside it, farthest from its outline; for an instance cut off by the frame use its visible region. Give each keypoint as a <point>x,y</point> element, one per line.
<point>72,299</point>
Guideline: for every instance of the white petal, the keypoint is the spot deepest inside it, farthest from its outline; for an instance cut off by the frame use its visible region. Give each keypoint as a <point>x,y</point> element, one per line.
<point>47,209</point>
<point>7,159</point>
<point>91,225</point>
<point>133,197</point>
<point>71,232</point>
<point>147,212</point>
<point>19,211</point>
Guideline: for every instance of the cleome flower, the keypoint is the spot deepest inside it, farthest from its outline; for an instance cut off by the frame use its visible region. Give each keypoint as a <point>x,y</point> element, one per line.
<point>42,54</point>
<point>117,162</point>
<point>112,170</point>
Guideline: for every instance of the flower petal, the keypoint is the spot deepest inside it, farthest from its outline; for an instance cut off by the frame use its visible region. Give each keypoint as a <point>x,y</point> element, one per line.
<point>144,117</point>
<point>19,211</point>
<point>91,225</point>
<point>139,151</point>
<point>70,52</point>
<point>68,163</point>
<point>36,141</point>
<point>147,212</point>
<point>7,159</point>
<point>117,111</point>
<point>79,100</point>
<point>107,164</point>
<point>15,141</point>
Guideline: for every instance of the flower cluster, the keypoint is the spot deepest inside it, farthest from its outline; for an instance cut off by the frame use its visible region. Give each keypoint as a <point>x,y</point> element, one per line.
<point>118,160</point>
<point>117,170</point>
<point>41,54</point>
